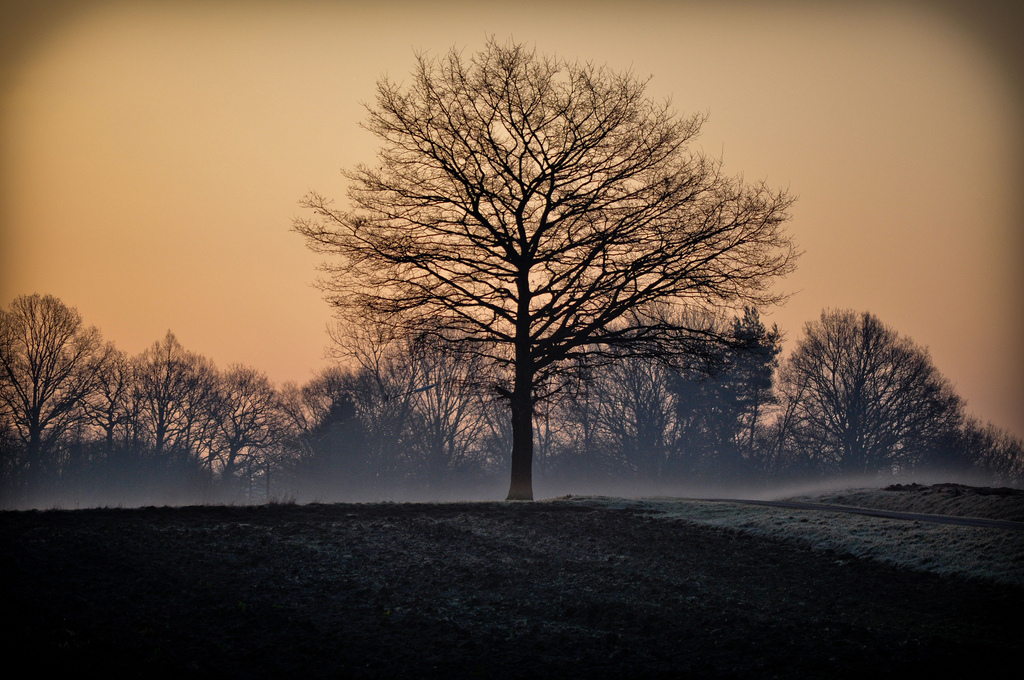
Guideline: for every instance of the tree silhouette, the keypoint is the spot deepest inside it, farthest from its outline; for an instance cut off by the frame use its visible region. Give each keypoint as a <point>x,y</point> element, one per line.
<point>863,398</point>
<point>531,211</point>
<point>753,361</point>
<point>111,407</point>
<point>246,419</point>
<point>48,365</point>
<point>177,393</point>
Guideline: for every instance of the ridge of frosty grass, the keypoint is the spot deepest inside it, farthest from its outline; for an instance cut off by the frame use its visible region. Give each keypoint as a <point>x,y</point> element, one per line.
<point>995,555</point>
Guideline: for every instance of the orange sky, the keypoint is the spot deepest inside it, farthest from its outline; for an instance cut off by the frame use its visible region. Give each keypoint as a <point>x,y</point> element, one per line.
<point>152,155</point>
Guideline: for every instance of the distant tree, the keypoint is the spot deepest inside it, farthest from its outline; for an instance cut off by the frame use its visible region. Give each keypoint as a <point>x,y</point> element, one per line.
<point>706,422</point>
<point>247,420</point>
<point>446,419</point>
<point>636,419</point>
<point>295,445</point>
<point>722,399</point>
<point>986,450</point>
<point>178,402</point>
<point>532,211</point>
<point>331,451</point>
<point>48,365</point>
<point>865,399</point>
<point>112,407</point>
<point>10,461</point>
<point>114,465</point>
<point>754,358</point>
<point>310,406</point>
<point>581,410</point>
<point>645,419</point>
<point>383,389</point>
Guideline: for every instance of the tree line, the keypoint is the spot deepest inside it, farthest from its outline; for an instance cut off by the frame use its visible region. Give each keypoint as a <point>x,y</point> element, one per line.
<point>82,423</point>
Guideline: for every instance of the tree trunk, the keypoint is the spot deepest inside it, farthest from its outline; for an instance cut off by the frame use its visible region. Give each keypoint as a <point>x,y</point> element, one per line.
<point>521,488</point>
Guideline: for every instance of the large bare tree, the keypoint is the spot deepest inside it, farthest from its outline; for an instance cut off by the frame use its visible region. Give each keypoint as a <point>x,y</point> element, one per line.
<point>533,210</point>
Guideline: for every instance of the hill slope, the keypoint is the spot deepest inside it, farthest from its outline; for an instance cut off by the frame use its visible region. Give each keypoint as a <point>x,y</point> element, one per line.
<point>567,588</point>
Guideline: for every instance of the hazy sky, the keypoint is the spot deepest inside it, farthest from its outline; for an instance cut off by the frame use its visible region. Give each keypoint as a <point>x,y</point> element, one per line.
<point>152,155</point>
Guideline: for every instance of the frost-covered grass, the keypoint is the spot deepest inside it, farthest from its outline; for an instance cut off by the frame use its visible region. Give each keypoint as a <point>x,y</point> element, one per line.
<point>990,554</point>
<point>940,499</point>
<point>995,554</point>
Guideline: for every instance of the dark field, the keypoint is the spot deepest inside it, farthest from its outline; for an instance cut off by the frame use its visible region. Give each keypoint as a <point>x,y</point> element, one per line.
<point>551,589</point>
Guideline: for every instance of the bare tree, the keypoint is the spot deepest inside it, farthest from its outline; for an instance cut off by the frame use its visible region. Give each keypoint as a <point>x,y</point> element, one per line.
<point>868,398</point>
<point>637,416</point>
<point>247,420</point>
<point>111,407</point>
<point>48,364</point>
<point>177,393</point>
<point>447,419</point>
<point>986,449</point>
<point>523,207</point>
<point>384,389</point>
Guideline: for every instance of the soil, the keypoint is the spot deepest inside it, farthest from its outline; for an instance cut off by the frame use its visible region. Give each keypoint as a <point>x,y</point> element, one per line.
<point>565,589</point>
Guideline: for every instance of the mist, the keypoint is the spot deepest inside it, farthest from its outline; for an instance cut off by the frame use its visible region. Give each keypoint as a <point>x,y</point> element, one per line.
<point>402,421</point>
